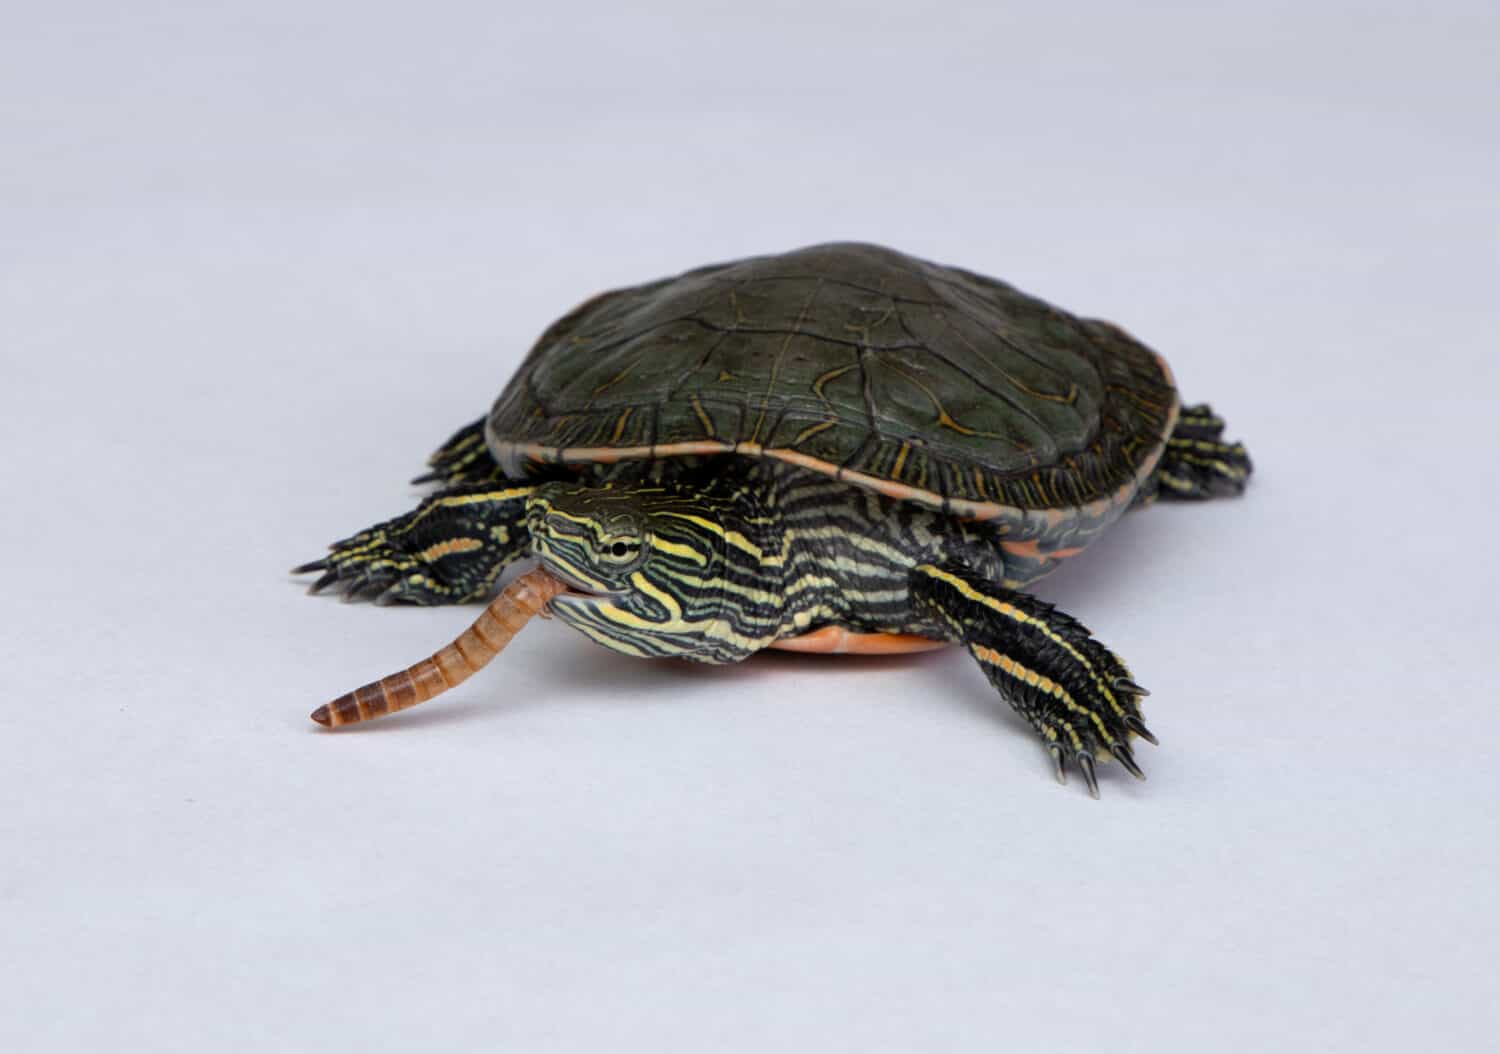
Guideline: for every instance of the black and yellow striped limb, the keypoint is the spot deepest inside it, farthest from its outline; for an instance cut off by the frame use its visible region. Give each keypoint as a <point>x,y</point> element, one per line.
<point>1197,463</point>
<point>1073,690</point>
<point>463,459</point>
<point>450,550</point>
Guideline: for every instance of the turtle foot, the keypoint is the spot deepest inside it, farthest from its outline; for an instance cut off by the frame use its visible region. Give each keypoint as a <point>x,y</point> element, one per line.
<point>1197,463</point>
<point>375,564</point>
<point>464,458</point>
<point>1074,691</point>
<point>449,550</point>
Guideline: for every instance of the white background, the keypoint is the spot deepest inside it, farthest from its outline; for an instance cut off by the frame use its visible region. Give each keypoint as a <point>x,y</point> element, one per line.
<point>257,260</point>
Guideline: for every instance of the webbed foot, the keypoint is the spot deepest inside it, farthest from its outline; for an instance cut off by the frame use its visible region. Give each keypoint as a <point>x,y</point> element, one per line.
<point>1074,691</point>
<point>463,459</point>
<point>1197,463</point>
<point>448,551</point>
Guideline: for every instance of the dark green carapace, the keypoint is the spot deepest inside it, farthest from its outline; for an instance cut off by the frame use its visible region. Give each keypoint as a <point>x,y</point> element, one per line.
<point>838,448</point>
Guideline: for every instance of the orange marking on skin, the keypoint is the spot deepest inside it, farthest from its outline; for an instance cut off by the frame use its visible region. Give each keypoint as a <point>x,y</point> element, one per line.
<point>836,640</point>
<point>447,548</point>
<point>1031,550</point>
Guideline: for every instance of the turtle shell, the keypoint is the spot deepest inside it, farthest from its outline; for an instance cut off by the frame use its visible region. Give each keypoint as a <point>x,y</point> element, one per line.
<point>924,382</point>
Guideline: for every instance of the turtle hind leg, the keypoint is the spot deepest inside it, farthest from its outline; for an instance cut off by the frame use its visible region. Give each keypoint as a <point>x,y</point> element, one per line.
<point>464,458</point>
<point>1073,690</point>
<point>1197,463</point>
<point>449,550</point>
<point>1198,422</point>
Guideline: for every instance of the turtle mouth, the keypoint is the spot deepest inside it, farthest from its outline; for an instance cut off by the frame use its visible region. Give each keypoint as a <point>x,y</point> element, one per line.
<point>582,607</point>
<point>579,592</point>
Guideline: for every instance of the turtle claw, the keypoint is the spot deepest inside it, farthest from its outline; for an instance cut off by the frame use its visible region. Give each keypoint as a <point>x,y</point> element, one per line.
<point>1059,769</point>
<point>367,582</point>
<point>355,590</point>
<point>1136,725</point>
<point>1085,762</point>
<point>389,598</point>
<point>320,564</point>
<point>328,578</point>
<point>1125,684</point>
<point>1126,759</point>
<point>1086,766</point>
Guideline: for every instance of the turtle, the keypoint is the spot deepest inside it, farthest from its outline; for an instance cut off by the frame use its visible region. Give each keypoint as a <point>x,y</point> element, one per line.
<point>842,448</point>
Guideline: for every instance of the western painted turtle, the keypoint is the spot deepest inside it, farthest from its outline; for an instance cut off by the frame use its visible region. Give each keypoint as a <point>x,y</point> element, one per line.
<point>841,448</point>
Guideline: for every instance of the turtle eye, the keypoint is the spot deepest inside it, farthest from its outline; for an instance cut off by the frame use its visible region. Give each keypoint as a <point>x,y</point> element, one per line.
<point>620,547</point>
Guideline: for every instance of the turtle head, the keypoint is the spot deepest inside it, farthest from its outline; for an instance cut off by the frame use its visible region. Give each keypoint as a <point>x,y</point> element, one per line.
<point>649,569</point>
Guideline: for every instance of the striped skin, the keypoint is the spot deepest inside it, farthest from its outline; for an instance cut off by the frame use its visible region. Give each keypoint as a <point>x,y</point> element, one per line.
<point>463,459</point>
<point>449,550</point>
<point>651,566</point>
<point>1197,463</point>
<point>717,567</point>
<point>1074,691</point>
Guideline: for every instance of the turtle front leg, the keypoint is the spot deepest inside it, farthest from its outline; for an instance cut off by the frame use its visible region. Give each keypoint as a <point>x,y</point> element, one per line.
<point>1073,690</point>
<point>450,550</point>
